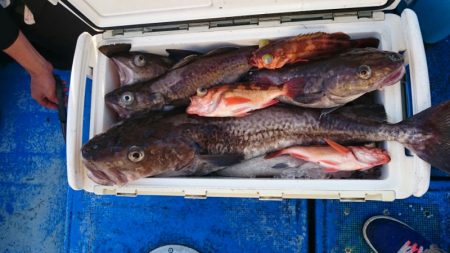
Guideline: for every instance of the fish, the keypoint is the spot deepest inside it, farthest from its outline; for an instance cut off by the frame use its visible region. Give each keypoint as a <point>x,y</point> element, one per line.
<point>134,67</point>
<point>336,81</point>
<point>286,167</point>
<point>304,47</point>
<point>237,100</point>
<point>336,157</point>
<point>137,148</point>
<point>277,167</point>
<point>224,65</point>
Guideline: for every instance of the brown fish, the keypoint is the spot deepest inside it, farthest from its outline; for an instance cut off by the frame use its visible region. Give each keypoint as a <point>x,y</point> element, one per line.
<point>224,65</point>
<point>139,148</point>
<point>305,47</point>
<point>338,80</point>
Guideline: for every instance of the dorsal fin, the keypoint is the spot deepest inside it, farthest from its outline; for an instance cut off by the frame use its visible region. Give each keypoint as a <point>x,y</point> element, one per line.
<point>338,147</point>
<point>185,61</point>
<point>110,50</point>
<point>177,55</point>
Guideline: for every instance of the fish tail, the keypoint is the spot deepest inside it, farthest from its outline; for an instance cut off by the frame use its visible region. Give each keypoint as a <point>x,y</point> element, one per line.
<point>294,88</point>
<point>367,42</point>
<point>434,147</point>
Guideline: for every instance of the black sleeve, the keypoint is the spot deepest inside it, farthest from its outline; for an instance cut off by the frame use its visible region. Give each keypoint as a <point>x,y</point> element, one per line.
<point>8,29</point>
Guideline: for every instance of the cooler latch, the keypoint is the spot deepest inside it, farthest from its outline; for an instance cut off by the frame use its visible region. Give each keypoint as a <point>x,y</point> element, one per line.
<point>270,195</point>
<point>195,194</point>
<point>352,197</point>
<point>355,15</point>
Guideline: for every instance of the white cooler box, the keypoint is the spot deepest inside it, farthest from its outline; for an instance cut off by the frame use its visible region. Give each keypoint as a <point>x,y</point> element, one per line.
<point>202,25</point>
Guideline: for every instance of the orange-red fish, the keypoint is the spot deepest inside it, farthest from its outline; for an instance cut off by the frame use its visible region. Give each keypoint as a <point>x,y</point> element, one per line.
<point>336,157</point>
<point>305,47</point>
<point>236,100</point>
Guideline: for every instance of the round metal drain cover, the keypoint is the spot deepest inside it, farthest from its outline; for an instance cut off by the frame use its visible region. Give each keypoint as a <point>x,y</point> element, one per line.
<point>174,249</point>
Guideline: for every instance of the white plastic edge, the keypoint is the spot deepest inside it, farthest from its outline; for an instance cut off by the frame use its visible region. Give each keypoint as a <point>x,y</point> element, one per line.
<point>420,88</point>
<point>117,13</point>
<point>80,70</point>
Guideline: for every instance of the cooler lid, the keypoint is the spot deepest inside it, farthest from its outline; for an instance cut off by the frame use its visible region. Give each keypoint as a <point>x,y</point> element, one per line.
<point>106,14</point>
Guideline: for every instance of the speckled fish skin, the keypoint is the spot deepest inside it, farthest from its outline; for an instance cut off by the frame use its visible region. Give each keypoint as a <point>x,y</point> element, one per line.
<point>177,85</point>
<point>135,67</point>
<point>181,142</point>
<point>338,80</point>
<point>306,47</point>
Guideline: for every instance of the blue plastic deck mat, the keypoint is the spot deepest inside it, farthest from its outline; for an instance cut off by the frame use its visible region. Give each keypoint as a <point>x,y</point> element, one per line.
<point>339,225</point>
<point>32,169</point>
<point>120,224</point>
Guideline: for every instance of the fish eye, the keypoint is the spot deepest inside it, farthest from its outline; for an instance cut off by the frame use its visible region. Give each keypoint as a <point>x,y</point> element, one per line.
<point>201,92</point>
<point>267,58</point>
<point>139,60</point>
<point>136,154</point>
<point>364,72</point>
<point>395,57</point>
<point>127,98</point>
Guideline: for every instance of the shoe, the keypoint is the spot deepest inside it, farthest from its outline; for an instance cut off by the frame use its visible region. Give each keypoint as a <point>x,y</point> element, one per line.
<point>385,234</point>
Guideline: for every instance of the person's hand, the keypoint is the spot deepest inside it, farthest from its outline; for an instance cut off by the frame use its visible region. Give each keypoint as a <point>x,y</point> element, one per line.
<point>43,88</point>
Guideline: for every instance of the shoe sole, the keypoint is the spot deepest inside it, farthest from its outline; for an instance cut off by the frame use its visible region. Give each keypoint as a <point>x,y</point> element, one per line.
<point>368,221</point>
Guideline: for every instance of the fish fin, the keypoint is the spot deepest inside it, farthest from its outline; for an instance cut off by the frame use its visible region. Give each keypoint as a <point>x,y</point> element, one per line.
<point>309,98</point>
<point>185,61</point>
<point>434,124</point>
<point>326,111</point>
<point>339,36</point>
<point>300,157</point>
<point>242,114</point>
<point>270,103</point>
<point>177,55</point>
<point>367,42</point>
<point>221,50</point>
<point>322,35</point>
<point>338,147</point>
<point>235,100</point>
<point>112,49</point>
<point>294,87</point>
<point>330,170</point>
<point>328,163</point>
<point>285,152</point>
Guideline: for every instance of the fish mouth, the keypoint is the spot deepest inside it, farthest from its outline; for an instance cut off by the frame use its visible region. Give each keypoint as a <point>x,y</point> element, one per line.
<point>392,78</point>
<point>122,112</point>
<point>109,176</point>
<point>124,72</point>
<point>96,175</point>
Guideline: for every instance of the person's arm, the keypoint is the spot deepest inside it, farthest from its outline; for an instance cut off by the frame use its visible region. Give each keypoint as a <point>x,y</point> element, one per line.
<point>20,49</point>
